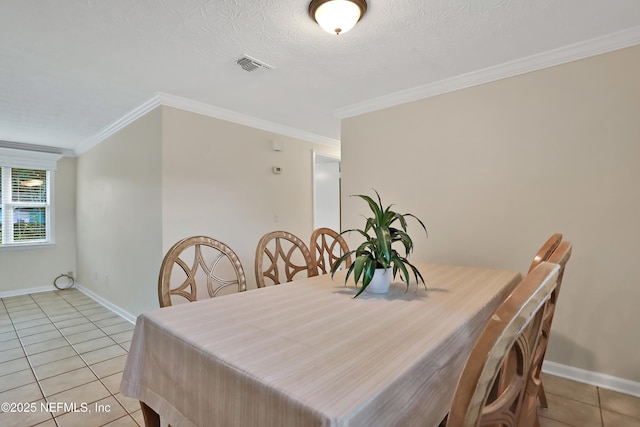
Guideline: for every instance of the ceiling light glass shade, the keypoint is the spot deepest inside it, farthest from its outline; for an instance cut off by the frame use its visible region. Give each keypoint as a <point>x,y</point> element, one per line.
<point>337,16</point>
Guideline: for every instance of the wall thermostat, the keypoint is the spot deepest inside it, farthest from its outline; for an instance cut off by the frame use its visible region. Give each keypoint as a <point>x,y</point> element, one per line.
<point>277,170</point>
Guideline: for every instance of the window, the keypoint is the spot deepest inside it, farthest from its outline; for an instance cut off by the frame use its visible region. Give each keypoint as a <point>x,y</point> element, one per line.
<point>25,209</point>
<point>26,199</point>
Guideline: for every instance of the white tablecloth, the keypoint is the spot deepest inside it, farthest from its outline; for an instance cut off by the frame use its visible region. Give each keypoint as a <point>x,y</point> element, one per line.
<point>307,354</point>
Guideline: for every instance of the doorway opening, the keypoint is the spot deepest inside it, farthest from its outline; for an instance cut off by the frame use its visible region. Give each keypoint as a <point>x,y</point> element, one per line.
<point>326,191</point>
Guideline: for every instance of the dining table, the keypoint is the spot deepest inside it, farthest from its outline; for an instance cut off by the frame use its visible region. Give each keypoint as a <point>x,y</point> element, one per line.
<point>307,353</point>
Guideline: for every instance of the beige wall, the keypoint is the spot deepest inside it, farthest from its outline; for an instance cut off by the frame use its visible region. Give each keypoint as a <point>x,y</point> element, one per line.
<point>119,216</point>
<point>495,169</point>
<point>17,265</point>
<point>173,174</point>
<point>217,181</point>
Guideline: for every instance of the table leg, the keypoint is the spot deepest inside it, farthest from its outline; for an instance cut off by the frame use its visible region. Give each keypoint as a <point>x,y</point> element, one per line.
<point>151,417</point>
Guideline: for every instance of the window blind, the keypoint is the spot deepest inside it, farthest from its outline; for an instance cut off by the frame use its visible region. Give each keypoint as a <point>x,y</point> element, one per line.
<point>26,196</point>
<point>29,195</point>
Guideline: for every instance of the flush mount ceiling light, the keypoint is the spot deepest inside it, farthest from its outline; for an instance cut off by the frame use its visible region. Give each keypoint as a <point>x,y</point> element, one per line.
<point>337,16</point>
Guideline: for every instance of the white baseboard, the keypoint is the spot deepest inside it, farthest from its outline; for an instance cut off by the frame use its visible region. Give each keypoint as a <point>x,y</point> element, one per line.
<point>594,378</point>
<point>16,293</point>
<point>128,316</point>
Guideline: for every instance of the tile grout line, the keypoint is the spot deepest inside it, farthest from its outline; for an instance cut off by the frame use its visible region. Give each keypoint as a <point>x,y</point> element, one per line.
<point>600,406</point>
<point>24,351</point>
<point>66,339</point>
<point>79,355</point>
<point>127,413</point>
<point>29,359</point>
<point>575,400</point>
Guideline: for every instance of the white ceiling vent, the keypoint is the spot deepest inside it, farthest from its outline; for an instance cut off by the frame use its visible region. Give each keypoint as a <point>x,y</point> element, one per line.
<point>251,64</point>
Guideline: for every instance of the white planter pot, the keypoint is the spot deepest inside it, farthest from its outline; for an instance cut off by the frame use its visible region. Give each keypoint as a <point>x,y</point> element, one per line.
<point>381,281</point>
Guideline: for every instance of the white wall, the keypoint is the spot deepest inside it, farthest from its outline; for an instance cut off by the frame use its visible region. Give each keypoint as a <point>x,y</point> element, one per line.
<point>495,169</point>
<point>24,269</point>
<point>119,216</point>
<point>217,181</point>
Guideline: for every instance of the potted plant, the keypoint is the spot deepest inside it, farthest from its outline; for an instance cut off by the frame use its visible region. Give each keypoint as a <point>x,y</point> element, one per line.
<point>376,256</point>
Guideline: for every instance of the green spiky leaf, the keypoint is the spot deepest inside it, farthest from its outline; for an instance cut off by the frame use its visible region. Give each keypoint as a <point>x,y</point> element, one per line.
<point>376,249</point>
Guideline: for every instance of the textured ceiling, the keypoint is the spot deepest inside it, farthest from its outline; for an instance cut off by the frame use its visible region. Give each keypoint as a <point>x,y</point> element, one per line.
<point>71,68</point>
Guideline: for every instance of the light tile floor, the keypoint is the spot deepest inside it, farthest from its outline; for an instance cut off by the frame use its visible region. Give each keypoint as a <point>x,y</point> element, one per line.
<point>61,360</point>
<point>582,405</point>
<point>61,351</point>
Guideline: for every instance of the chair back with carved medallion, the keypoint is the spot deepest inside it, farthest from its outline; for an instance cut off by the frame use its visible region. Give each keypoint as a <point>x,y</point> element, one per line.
<point>199,267</point>
<point>280,256</point>
<point>327,246</point>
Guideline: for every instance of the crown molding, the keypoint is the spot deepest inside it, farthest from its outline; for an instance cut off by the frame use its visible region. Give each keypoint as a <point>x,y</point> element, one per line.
<point>592,47</point>
<point>185,104</point>
<point>242,119</point>
<point>18,158</point>
<point>119,124</point>
<point>585,49</point>
<point>24,146</point>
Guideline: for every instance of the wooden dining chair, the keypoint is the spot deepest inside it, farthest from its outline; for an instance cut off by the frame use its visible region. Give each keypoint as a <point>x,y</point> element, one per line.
<point>327,246</point>
<point>197,267</point>
<point>535,389</point>
<point>543,254</point>
<point>546,250</point>
<point>286,256</point>
<point>486,394</point>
